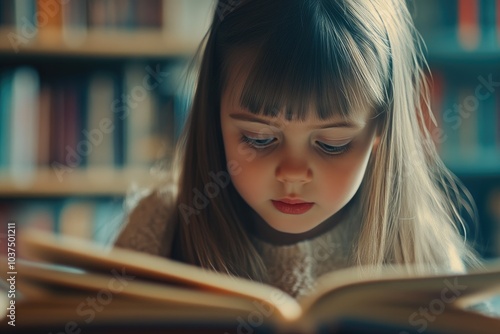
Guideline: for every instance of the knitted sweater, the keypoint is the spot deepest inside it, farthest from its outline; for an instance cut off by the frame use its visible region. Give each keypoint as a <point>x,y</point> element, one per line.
<point>293,268</point>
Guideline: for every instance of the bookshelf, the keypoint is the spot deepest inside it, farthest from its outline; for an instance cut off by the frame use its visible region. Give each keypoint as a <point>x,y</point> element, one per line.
<point>83,182</point>
<point>90,106</point>
<point>463,49</point>
<point>106,43</point>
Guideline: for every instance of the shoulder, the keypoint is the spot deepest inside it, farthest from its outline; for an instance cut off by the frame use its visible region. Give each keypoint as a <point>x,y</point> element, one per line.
<point>147,227</point>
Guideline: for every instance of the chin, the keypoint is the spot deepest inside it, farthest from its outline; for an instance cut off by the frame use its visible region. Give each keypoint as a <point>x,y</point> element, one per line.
<point>298,229</point>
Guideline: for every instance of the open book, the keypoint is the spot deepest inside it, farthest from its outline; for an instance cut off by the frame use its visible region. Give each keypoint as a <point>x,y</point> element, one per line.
<point>74,284</point>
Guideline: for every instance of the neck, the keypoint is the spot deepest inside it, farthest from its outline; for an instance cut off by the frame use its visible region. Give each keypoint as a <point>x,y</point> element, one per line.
<point>263,231</point>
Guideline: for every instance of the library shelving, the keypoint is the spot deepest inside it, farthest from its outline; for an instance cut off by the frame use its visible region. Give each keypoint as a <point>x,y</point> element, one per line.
<point>462,39</point>
<point>91,106</point>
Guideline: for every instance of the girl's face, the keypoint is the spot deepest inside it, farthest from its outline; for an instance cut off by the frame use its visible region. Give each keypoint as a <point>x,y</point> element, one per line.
<point>317,164</point>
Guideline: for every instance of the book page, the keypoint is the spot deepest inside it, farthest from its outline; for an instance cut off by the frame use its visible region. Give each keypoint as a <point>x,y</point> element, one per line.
<point>84,254</point>
<point>398,286</point>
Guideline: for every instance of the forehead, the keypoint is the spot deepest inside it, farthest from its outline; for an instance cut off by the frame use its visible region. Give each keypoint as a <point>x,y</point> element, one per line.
<point>235,87</point>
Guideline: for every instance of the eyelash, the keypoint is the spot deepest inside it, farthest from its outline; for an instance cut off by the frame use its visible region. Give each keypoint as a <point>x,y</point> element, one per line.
<point>335,150</point>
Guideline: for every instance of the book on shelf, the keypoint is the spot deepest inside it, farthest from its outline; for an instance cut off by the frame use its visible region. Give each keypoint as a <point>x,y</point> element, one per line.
<point>468,132</point>
<point>488,18</point>
<point>459,26</point>
<point>493,212</point>
<point>71,24</point>
<point>468,116</point>
<point>468,23</point>
<point>497,103</point>
<point>23,126</point>
<point>120,117</point>
<point>72,282</point>
<point>498,20</point>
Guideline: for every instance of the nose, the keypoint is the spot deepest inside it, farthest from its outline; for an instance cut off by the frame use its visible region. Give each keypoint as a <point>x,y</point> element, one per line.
<point>294,171</point>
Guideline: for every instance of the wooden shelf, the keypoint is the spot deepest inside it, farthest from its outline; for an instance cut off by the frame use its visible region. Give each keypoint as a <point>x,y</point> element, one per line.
<point>99,43</point>
<point>92,182</point>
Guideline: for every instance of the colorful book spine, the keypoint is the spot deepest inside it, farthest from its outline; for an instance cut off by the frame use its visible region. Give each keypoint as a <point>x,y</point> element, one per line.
<point>468,23</point>
<point>50,22</point>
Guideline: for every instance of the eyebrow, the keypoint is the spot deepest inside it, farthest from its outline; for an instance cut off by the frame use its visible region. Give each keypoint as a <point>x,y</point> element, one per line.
<point>252,118</point>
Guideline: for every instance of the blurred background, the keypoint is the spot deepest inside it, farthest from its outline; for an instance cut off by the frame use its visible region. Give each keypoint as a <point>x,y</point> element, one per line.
<point>91,104</point>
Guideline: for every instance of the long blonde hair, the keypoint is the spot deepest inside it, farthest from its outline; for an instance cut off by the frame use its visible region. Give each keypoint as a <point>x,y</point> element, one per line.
<point>338,54</point>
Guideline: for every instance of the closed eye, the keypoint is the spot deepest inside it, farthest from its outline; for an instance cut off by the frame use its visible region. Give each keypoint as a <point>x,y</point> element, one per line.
<point>263,143</point>
<point>333,150</point>
<point>258,143</point>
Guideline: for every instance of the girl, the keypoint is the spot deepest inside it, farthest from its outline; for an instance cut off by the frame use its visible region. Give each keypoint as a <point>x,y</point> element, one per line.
<point>306,150</point>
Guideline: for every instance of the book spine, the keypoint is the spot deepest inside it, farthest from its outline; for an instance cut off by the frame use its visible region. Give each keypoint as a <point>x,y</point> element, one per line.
<point>493,204</point>
<point>498,21</point>
<point>50,21</point>
<point>451,121</point>
<point>54,125</point>
<point>25,92</point>
<point>5,115</point>
<point>488,118</point>
<point>120,120</point>
<point>165,125</point>
<point>497,128</point>
<point>7,13</point>
<point>83,86</point>
<point>449,19</point>
<point>74,22</point>
<point>44,126</point>
<point>140,118</point>
<point>61,117</point>
<point>99,133</point>
<point>72,158</point>
<point>468,23</point>
<point>468,130</point>
<point>25,17</point>
<point>487,19</point>
<point>97,13</point>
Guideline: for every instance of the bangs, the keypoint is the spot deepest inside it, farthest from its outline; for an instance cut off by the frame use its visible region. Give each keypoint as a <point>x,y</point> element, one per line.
<point>312,58</point>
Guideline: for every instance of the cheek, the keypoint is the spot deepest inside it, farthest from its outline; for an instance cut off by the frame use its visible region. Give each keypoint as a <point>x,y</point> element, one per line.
<point>342,181</point>
<point>249,183</point>
<point>250,179</point>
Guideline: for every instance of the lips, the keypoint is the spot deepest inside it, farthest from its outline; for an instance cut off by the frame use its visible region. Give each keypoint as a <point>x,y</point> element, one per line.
<point>292,206</point>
